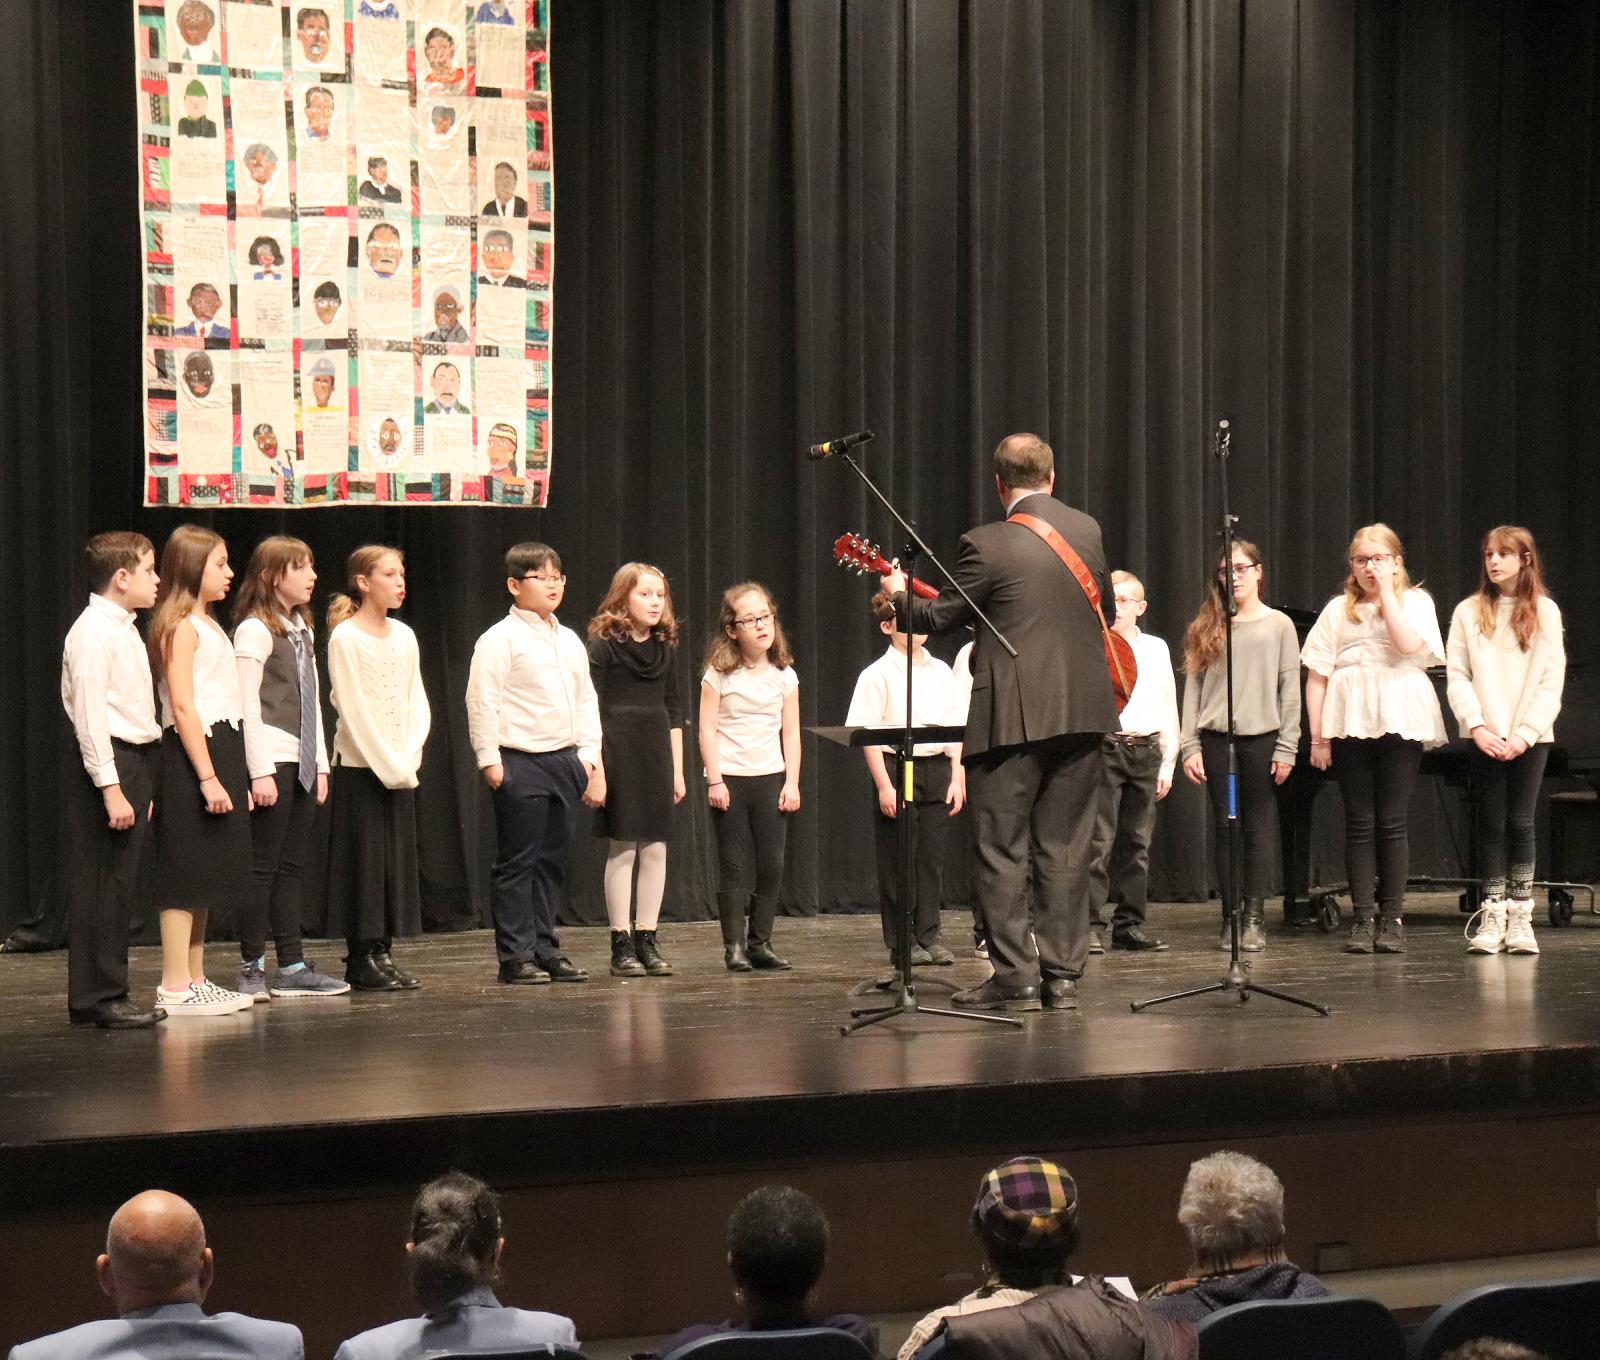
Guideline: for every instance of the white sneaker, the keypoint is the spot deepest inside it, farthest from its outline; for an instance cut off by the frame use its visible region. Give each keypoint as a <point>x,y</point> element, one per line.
<point>1519,928</point>
<point>1491,934</point>
<point>202,998</point>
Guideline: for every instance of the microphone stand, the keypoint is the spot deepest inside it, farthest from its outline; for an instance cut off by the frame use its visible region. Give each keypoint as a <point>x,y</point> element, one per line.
<point>1235,981</point>
<point>901,982</point>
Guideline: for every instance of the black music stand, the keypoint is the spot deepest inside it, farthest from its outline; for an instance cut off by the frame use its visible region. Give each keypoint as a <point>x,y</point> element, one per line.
<point>900,983</point>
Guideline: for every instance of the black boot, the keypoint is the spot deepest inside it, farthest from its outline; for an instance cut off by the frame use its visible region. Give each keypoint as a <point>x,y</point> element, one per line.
<point>623,963</point>
<point>644,947</point>
<point>730,911</point>
<point>763,911</point>
<point>380,956</point>
<point>1253,926</point>
<point>1362,934</point>
<point>1391,936</point>
<point>361,971</point>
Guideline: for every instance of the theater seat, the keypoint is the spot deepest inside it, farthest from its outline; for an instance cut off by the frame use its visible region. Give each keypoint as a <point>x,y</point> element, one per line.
<point>1558,1318</point>
<point>1302,1329</point>
<point>799,1343</point>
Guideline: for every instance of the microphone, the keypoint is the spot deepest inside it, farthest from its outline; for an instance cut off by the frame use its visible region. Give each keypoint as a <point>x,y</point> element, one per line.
<point>1223,437</point>
<point>839,445</point>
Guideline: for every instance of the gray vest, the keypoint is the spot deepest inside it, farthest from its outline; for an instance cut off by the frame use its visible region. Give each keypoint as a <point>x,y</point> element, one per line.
<point>280,688</point>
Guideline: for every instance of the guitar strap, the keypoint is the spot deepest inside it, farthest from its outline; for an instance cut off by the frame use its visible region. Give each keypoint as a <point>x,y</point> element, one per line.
<point>1073,563</point>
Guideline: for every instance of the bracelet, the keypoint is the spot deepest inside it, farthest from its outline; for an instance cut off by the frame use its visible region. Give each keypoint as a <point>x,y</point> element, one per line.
<point>1319,741</point>
<point>205,777</point>
<point>713,784</point>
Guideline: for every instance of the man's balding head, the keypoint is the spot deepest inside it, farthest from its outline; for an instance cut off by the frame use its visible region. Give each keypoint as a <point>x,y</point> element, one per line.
<point>155,1253</point>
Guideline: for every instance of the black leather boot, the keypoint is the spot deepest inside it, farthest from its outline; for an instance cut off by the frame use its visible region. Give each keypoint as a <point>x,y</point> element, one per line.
<point>730,911</point>
<point>361,971</point>
<point>380,956</point>
<point>1253,926</point>
<point>623,962</point>
<point>763,911</point>
<point>644,948</point>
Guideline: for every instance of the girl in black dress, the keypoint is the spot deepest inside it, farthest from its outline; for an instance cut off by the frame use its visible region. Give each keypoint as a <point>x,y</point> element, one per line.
<point>633,657</point>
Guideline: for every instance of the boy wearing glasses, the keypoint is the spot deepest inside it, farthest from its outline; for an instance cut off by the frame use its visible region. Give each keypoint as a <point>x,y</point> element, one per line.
<point>1139,761</point>
<point>534,722</point>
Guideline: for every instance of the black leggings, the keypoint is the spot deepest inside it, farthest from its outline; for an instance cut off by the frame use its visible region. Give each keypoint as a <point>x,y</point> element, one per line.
<point>1376,776</point>
<point>751,834</point>
<point>1506,793</point>
<point>279,836</point>
<point>1255,807</point>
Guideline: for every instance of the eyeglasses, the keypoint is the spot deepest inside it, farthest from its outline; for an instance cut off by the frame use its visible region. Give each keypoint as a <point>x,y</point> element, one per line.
<point>754,621</point>
<point>548,580</point>
<point>1236,569</point>
<point>1126,599</point>
<point>1370,561</point>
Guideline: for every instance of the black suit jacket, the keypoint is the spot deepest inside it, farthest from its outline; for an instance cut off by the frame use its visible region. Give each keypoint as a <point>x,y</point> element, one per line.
<point>1058,683</point>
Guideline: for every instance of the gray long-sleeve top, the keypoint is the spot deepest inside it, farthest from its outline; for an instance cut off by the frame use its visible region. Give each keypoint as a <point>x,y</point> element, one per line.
<point>1266,687</point>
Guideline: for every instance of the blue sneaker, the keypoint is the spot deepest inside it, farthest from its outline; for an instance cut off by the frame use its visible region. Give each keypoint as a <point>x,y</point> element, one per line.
<point>306,982</point>
<point>253,982</point>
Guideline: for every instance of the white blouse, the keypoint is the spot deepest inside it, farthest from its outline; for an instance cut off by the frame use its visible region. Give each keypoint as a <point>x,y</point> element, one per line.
<point>383,709</point>
<point>750,717</point>
<point>217,696</point>
<point>1373,689</point>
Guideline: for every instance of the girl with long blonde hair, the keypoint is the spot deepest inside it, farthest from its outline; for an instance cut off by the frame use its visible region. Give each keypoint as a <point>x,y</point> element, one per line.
<point>1266,713</point>
<point>1372,711</point>
<point>1507,665</point>
<point>373,889</point>
<point>750,743</point>
<point>633,661</point>
<point>202,798</point>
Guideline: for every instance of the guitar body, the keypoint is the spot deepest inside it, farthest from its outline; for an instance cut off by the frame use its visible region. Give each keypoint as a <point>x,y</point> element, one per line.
<point>1123,667</point>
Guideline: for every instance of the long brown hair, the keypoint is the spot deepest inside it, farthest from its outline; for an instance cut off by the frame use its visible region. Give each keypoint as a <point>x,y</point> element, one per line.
<point>362,562</point>
<point>1530,583</point>
<point>258,596</point>
<point>723,655</point>
<point>183,568</point>
<point>1203,639</point>
<point>1380,533</point>
<point>612,619</point>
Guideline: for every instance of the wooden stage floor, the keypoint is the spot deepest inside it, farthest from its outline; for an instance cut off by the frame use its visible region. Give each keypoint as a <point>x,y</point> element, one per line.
<point>711,1070</point>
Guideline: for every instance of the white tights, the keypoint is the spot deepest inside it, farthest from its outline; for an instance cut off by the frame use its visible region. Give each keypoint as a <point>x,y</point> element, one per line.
<point>645,902</point>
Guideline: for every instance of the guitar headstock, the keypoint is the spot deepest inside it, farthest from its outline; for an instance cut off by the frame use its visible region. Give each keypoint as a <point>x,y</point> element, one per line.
<point>858,554</point>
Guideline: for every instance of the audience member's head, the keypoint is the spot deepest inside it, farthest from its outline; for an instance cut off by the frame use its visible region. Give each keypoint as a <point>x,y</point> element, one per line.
<point>1490,1348</point>
<point>1026,1217</point>
<point>1232,1209</point>
<point>455,1240</point>
<point>155,1253</point>
<point>777,1246</point>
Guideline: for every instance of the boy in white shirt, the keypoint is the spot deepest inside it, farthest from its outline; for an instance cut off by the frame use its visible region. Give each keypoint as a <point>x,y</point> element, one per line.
<point>107,690</point>
<point>940,780</point>
<point>1138,761</point>
<point>534,722</point>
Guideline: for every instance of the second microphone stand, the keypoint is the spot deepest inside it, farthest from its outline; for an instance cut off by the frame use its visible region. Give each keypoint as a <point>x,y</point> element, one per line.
<point>1236,980</point>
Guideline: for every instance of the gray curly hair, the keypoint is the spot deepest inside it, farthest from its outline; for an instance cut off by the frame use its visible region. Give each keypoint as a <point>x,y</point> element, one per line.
<point>1231,1206</point>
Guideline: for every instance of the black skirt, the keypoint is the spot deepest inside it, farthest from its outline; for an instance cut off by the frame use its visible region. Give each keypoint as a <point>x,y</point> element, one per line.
<point>202,858</point>
<point>637,753</point>
<point>372,887</point>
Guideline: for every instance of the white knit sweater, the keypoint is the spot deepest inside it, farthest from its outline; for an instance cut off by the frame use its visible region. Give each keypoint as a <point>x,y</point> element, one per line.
<point>1495,684</point>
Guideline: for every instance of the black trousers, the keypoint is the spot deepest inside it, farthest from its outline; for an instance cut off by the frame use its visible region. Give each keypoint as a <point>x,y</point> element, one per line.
<point>1506,795</point>
<point>929,820</point>
<point>279,837</point>
<point>751,834</point>
<point>1035,806</point>
<point>535,809</point>
<point>1376,776</point>
<point>1119,867</point>
<point>102,877</point>
<point>1256,805</point>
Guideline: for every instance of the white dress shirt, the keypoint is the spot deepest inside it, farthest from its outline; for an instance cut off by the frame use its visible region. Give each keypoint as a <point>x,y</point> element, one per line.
<point>217,698</point>
<point>936,699</point>
<point>106,686</point>
<point>1373,689</point>
<point>529,690</point>
<point>266,747</point>
<point>383,709</point>
<point>1152,708</point>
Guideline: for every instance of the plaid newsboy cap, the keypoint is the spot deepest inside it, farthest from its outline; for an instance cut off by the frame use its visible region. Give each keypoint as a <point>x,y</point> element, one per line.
<point>1026,1202</point>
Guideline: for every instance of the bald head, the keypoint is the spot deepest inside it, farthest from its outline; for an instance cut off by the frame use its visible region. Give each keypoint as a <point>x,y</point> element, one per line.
<point>155,1253</point>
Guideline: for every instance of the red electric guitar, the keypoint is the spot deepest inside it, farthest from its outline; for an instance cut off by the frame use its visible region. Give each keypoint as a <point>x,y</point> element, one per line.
<point>854,553</point>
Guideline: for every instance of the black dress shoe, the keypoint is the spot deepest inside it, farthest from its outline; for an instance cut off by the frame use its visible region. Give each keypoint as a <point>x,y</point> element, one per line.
<point>388,965</point>
<point>524,972</point>
<point>1134,937</point>
<point>562,969</point>
<point>991,996</point>
<point>118,1014</point>
<point>1059,994</point>
<point>362,972</point>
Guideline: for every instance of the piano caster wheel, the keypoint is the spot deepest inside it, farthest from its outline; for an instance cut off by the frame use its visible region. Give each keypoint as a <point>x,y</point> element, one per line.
<point>1560,907</point>
<point>1327,913</point>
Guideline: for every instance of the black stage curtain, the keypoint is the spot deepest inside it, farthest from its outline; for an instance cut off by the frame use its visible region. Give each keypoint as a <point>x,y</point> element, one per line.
<point>1364,232</point>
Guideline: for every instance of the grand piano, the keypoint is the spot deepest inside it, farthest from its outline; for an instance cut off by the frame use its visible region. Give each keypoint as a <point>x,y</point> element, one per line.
<point>1574,756</point>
